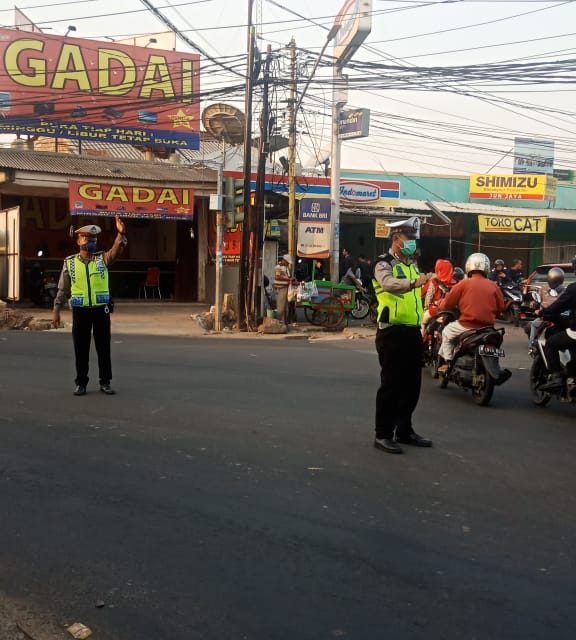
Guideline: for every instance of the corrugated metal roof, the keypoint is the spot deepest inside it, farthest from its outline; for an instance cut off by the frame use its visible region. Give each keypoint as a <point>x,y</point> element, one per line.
<point>472,208</point>
<point>67,164</point>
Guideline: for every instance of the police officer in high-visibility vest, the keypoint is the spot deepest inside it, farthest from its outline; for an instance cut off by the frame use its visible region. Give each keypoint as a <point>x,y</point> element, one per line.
<point>84,280</point>
<point>397,285</point>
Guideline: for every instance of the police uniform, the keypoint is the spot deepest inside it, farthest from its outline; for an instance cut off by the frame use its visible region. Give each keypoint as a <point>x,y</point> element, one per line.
<point>84,281</point>
<point>398,343</point>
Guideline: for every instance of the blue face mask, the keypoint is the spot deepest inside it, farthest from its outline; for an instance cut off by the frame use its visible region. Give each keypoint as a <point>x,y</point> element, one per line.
<point>89,246</point>
<point>409,248</point>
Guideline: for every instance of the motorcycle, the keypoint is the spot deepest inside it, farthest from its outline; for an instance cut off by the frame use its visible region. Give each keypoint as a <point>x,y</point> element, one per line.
<point>365,304</point>
<point>539,370</point>
<point>513,300</point>
<point>476,364</point>
<point>43,289</point>
<point>432,337</point>
<point>530,304</point>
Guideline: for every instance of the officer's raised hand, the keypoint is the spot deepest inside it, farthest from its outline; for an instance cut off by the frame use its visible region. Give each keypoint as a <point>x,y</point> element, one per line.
<point>56,318</point>
<point>120,226</point>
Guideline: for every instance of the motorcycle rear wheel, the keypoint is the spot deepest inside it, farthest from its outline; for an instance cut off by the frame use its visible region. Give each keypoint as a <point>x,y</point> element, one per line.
<point>538,376</point>
<point>483,394</point>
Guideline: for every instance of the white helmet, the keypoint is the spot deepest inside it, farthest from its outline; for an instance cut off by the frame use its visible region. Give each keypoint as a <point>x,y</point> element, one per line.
<point>477,262</point>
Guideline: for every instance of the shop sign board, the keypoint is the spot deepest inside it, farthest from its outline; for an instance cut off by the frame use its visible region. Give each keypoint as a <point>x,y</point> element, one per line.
<point>512,187</point>
<point>98,91</point>
<point>354,124</point>
<point>130,201</point>
<point>369,193</point>
<point>533,156</point>
<point>232,245</point>
<point>314,237</point>
<point>381,228</point>
<point>512,224</point>
<point>355,21</point>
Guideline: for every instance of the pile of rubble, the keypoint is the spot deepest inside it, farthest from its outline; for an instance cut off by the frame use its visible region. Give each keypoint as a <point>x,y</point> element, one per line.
<point>12,319</point>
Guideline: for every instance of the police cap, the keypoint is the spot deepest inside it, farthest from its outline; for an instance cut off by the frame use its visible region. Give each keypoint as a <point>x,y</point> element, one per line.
<point>89,230</point>
<point>409,226</point>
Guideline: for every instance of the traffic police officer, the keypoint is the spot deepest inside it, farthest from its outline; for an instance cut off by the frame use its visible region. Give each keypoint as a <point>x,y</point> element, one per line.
<point>397,285</point>
<point>84,280</point>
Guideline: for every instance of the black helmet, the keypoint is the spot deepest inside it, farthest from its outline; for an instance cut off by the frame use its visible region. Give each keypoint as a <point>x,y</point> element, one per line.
<point>555,277</point>
<point>499,263</point>
<point>458,274</point>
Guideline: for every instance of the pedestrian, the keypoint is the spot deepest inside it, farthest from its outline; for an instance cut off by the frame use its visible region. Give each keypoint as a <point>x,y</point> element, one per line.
<point>84,280</point>
<point>282,281</point>
<point>479,300</point>
<point>365,266</point>
<point>397,284</point>
<point>346,264</point>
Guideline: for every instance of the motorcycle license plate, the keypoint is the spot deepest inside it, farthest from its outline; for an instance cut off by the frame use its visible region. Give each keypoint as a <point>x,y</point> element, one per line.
<point>489,350</point>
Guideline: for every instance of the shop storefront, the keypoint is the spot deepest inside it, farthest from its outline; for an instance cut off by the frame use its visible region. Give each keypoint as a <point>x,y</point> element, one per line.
<point>38,184</point>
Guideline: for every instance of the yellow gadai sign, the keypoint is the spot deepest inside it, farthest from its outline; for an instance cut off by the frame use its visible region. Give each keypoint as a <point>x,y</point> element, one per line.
<point>512,224</point>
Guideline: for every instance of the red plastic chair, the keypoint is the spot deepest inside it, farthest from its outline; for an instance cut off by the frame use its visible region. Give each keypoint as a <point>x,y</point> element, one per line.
<point>152,282</point>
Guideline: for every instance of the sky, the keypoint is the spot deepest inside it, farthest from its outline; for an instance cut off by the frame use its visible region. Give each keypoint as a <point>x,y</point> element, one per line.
<point>438,130</point>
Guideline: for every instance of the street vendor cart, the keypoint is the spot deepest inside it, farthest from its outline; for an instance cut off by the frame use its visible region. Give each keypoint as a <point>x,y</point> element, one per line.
<point>326,303</point>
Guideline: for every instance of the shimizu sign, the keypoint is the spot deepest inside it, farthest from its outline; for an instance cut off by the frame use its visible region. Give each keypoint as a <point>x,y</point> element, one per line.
<point>512,224</point>
<point>512,187</point>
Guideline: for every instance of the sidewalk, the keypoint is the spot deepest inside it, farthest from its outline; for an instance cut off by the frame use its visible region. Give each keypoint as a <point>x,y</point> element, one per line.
<point>174,319</point>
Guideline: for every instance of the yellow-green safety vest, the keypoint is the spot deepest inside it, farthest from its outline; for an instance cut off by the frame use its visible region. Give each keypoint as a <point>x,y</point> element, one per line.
<point>89,281</point>
<point>403,308</point>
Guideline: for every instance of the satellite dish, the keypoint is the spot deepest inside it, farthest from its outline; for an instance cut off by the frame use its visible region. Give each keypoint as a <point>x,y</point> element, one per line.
<point>224,122</point>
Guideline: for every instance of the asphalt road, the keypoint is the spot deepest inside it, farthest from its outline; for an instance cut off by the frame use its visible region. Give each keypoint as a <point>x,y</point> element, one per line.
<point>231,491</point>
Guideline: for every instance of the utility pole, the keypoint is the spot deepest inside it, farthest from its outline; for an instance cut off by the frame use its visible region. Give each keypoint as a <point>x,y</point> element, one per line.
<point>219,243</point>
<point>247,226</point>
<point>264,148</point>
<point>292,153</point>
<point>338,101</point>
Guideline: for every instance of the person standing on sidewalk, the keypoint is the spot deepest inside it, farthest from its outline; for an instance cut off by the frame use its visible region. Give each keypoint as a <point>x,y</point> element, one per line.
<point>84,280</point>
<point>282,280</point>
<point>397,285</point>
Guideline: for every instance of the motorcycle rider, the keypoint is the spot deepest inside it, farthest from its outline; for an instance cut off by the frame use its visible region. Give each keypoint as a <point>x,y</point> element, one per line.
<point>459,274</point>
<point>564,339</point>
<point>499,273</point>
<point>549,294</point>
<point>479,300</point>
<point>436,289</point>
<point>515,273</point>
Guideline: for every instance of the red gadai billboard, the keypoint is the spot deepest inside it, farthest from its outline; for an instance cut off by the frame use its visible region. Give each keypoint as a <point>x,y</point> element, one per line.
<point>130,201</point>
<point>98,91</point>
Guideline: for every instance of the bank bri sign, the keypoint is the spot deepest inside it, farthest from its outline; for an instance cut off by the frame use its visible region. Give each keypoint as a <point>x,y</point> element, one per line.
<point>98,91</point>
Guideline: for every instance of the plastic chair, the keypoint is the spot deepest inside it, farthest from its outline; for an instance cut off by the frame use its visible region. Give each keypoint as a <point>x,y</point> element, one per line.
<point>152,282</point>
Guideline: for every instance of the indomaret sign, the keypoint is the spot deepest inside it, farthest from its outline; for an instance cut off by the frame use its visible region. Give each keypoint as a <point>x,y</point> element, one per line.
<point>130,201</point>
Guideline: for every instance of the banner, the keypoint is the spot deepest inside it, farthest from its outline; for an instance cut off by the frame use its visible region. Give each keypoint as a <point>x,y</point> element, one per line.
<point>512,187</point>
<point>314,237</point>
<point>354,124</point>
<point>512,224</point>
<point>533,156</point>
<point>130,201</point>
<point>88,90</point>
<point>381,228</point>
